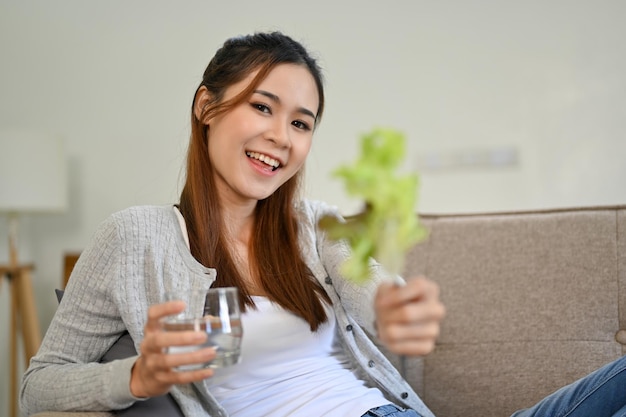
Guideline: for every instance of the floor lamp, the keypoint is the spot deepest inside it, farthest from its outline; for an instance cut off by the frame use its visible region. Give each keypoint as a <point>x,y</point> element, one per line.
<point>32,180</point>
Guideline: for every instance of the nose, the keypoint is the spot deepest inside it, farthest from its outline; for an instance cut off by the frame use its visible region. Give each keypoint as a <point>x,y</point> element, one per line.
<point>279,133</point>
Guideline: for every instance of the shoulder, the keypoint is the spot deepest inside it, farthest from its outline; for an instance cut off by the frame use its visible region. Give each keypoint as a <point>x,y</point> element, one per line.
<point>314,240</point>
<point>145,211</point>
<point>313,210</point>
<point>138,221</point>
<point>144,214</point>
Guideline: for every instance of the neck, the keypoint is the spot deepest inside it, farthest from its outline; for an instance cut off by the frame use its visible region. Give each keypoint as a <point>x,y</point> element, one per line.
<point>238,222</point>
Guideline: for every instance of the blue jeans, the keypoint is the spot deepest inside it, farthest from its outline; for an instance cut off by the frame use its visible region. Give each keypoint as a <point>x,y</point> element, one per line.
<point>599,394</point>
<point>390,410</point>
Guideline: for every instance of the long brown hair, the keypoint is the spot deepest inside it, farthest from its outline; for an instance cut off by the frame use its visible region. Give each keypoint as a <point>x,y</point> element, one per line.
<point>274,253</point>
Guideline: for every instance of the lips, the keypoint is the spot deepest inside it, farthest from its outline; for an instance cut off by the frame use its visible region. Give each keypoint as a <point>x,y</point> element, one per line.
<point>274,164</point>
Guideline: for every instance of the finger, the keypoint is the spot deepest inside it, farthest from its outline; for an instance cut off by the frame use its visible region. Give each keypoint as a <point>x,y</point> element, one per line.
<point>391,295</point>
<point>168,362</point>
<point>417,332</point>
<point>182,377</point>
<point>183,338</point>
<point>416,312</point>
<point>158,311</point>
<point>156,341</point>
<point>417,289</point>
<point>197,357</point>
<point>149,382</point>
<point>412,347</point>
<point>187,377</point>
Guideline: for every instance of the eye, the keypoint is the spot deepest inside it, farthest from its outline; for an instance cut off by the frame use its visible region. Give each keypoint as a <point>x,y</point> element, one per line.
<point>262,108</point>
<point>301,125</point>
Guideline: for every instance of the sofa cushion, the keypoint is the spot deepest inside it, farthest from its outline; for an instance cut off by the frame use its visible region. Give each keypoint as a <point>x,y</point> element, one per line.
<point>532,305</point>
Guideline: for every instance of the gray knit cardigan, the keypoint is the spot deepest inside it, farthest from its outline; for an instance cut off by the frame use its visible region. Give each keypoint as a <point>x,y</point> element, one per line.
<point>135,256</point>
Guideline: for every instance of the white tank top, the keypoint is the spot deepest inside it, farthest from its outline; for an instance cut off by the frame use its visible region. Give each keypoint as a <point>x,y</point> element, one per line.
<point>287,370</point>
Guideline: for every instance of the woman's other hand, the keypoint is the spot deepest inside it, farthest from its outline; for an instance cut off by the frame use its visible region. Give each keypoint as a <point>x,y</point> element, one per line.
<point>408,317</point>
<point>154,372</point>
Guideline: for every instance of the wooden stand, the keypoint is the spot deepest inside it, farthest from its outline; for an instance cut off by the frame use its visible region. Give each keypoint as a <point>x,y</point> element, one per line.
<point>23,312</point>
<point>24,317</point>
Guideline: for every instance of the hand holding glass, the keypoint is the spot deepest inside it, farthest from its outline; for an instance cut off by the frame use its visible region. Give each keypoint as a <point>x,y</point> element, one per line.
<point>215,312</point>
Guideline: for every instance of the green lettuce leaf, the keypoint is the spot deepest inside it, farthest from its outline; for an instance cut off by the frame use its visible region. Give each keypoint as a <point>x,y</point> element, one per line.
<point>388,226</point>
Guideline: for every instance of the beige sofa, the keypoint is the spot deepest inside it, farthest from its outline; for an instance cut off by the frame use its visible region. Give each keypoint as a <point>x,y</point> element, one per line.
<point>535,300</point>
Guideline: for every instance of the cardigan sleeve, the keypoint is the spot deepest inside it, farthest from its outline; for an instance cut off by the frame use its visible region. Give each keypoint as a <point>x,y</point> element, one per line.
<point>65,374</point>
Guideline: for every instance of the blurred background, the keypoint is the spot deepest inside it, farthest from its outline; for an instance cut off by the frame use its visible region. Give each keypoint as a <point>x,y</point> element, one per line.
<point>506,105</point>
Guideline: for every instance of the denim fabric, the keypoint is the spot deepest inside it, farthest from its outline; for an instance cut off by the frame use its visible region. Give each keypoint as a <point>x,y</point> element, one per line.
<point>600,394</point>
<point>390,410</point>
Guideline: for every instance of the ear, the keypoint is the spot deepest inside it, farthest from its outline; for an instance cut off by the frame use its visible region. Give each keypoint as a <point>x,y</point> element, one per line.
<point>203,98</point>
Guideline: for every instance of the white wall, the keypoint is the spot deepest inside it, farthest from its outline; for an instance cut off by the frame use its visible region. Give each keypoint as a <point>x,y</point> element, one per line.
<point>115,79</point>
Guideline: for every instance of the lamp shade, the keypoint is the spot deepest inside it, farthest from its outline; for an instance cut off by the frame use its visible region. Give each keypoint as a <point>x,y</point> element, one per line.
<point>33,172</point>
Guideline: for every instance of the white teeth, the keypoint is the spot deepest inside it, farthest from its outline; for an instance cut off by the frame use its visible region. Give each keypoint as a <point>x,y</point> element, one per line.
<point>264,158</point>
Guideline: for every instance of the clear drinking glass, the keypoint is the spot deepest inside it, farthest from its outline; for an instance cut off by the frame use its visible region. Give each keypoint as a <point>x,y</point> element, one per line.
<point>216,312</point>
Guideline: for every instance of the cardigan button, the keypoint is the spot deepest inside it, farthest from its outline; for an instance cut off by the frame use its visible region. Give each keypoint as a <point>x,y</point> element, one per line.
<point>404,395</point>
<point>620,337</point>
<point>328,280</point>
<point>370,364</point>
<point>349,327</point>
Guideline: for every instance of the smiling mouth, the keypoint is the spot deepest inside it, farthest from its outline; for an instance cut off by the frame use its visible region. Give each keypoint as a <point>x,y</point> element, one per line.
<point>270,162</point>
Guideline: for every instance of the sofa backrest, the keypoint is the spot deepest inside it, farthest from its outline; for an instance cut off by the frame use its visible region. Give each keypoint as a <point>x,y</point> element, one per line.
<point>534,301</point>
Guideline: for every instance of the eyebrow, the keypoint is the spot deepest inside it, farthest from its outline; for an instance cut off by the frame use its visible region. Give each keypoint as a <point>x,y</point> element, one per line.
<point>276,99</point>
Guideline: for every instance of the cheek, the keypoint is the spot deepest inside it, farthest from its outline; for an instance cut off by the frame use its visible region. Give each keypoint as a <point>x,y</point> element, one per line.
<point>302,144</point>
<point>216,150</point>
<point>302,151</point>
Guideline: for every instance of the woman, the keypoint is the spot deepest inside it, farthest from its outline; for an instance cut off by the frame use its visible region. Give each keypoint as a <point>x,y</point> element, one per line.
<point>307,348</point>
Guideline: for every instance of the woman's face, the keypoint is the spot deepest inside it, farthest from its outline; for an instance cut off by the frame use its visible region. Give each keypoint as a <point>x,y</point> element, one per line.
<point>262,142</point>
